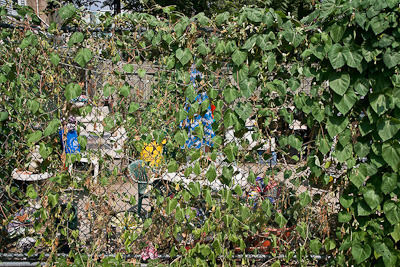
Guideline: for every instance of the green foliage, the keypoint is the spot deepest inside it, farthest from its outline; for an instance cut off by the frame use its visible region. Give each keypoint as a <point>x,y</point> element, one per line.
<point>347,51</point>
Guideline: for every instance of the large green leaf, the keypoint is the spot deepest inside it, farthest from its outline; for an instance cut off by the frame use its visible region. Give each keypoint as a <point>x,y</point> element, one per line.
<point>244,110</point>
<point>389,182</point>
<point>359,175</point>
<point>211,173</point>
<point>343,152</point>
<point>362,149</point>
<point>346,102</point>
<point>346,201</point>
<point>83,57</point>
<point>73,90</point>
<point>34,137</point>
<point>336,125</point>
<point>392,211</point>
<point>336,55</point>
<point>280,219</point>
<point>391,59</point>
<point>339,82</point>
<point>248,86</point>
<point>75,38</point>
<point>353,57</point>
<point>184,55</point>
<point>372,198</point>
<point>67,11</point>
<point>381,101</point>
<point>387,128</point>
<point>239,57</point>
<point>391,154</point>
<point>361,86</point>
<point>360,252</point>
<point>108,89</point>
<point>52,127</point>
<point>305,199</point>
<point>337,30</point>
<point>54,58</point>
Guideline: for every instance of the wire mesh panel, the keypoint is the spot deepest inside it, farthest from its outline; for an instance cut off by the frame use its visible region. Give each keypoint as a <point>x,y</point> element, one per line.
<point>215,151</point>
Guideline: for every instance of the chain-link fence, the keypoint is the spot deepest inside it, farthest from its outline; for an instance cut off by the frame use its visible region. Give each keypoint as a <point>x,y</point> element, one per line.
<point>111,150</point>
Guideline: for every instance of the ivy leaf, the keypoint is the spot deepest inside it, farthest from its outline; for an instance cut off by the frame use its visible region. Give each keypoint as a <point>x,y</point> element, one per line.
<point>323,144</point>
<point>75,38</point>
<point>336,55</point>
<point>67,11</point>
<point>392,212</point>
<point>239,57</point>
<point>328,7</point>
<point>30,192</point>
<point>184,56</point>
<point>73,90</point>
<point>353,58</point>
<point>362,149</point>
<point>329,244</point>
<point>336,125</point>
<point>380,102</point>
<point>211,173</point>
<point>270,61</point>
<point>230,151</point>
<point>141,72</point>
<point>229,94</point>
<point>194,188</point>
<point>371,197</point>
<point>133,106</point>
<point>54,58</point>
<point>358,176</point>
<point>337,31</point>
<point>173,166</point>
<point>346,201</point>
<point>396,233</point>
<point>305,199</point>
<point>361,86</point>
<point>360,252</point>
<point>45,150</point>
<point>346,102</point>
<point>244,110</point>
<point>124,91</point>
<point>52,127</point>
<point>315,246</point>
<point>391,59</point>
<point>378,24</point>
<point>389,183</point>
<point>280,219</point>
<point>181,137</point>
<point>3,116</point>
<point>248,86</point>
<point>295,142</point>
<point>391,154</point>
<point>343,152</point>
<point>171,205</point>
<point>158,136</point>
<point>33,105</point>
<point>339,82</point>
<point>82,141</point>
<point>83,57</point>
<point>128,68</point>
<point>387,128</point>
<point>250,42</point>
<point>266,206</point>
<point>108,89</point>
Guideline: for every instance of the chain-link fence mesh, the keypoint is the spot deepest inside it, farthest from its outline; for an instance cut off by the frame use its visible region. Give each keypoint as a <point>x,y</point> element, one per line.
<point>102,150</point>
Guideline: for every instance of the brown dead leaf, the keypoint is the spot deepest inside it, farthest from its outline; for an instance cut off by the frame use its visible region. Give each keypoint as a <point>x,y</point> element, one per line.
<point>22,218</point>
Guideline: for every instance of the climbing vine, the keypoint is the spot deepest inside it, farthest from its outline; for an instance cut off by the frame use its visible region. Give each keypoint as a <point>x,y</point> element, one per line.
<point>334,73</point>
